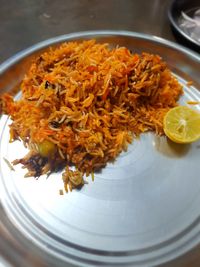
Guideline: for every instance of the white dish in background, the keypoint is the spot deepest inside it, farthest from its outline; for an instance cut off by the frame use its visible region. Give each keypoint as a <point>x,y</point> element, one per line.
<point>184,17</point>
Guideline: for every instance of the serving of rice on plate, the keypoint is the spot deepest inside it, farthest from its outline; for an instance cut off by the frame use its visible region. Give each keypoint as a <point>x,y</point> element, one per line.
<point>83,103</point>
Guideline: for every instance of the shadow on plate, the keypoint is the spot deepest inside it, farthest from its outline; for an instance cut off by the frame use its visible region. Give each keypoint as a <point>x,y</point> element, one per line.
<point>170,149</point>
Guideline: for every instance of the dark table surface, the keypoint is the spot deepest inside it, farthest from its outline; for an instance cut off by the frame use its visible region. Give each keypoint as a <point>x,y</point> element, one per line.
<point>26,22</point>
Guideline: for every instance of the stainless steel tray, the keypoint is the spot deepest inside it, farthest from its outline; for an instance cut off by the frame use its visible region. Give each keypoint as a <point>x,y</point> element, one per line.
<point>143,210</point>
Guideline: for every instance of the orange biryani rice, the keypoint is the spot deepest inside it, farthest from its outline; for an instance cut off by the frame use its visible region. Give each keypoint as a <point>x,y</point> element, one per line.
<point>83,103</point>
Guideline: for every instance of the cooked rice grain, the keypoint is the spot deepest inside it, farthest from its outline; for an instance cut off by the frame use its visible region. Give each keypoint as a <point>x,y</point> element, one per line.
<point>101,97</point>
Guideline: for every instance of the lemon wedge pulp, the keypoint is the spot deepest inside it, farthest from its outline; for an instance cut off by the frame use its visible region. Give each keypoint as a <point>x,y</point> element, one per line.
<point>182,125</point>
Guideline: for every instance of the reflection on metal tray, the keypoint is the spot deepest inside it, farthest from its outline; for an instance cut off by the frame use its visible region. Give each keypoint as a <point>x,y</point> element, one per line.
<point>142,210</point>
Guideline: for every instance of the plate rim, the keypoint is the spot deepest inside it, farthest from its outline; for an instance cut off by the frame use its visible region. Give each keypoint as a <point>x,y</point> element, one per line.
<point>62,38</point>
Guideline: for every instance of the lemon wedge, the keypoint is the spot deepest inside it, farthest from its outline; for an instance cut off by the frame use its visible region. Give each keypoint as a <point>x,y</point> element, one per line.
<point>182,125</point>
